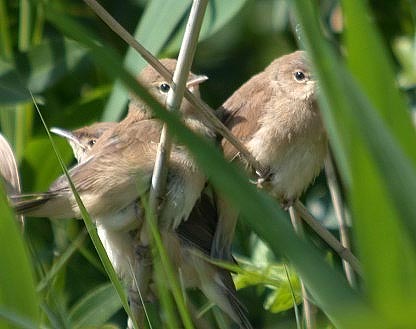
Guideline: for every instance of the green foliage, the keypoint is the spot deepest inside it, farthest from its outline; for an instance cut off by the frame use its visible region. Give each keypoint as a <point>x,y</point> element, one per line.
<point>71,63</point>
<point>18,298</point>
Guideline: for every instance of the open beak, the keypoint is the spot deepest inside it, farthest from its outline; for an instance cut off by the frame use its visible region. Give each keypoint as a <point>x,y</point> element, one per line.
<point>196,80</point>
<point>68,135</point>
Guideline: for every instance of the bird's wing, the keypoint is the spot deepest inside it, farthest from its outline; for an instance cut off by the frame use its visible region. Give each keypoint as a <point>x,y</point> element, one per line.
<point>242,111</point>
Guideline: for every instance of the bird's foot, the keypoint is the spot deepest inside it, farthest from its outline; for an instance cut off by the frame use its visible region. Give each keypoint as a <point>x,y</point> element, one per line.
<point>264,176</point>
<point>286,203</point>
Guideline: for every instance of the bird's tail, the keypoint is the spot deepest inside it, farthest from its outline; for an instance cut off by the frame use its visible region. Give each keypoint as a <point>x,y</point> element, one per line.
<point>24,204</point>
<point>222,291</point>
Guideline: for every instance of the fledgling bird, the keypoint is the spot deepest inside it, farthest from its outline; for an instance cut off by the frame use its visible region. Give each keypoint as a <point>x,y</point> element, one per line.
<point>275,114</point>
<point>115,172</point>
<point>83,139</point>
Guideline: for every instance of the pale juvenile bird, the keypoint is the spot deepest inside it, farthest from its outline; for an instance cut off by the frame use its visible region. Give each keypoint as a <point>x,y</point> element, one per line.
<point>116,172</point>
<point>275,114</point>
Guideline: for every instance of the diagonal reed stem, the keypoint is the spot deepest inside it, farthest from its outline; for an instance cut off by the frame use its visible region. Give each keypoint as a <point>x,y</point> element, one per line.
<point>333,186</point>
<point>309,309</point>
<point>174,100</point>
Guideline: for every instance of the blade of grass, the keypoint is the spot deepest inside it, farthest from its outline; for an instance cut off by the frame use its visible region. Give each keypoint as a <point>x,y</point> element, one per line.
<point>295,305</point>
<point>25,25</point>
<point>5,40</point>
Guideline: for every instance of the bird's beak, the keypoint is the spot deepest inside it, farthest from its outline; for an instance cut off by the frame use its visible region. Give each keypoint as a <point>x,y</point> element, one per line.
<point>68,135</point>
<point>196,80</point>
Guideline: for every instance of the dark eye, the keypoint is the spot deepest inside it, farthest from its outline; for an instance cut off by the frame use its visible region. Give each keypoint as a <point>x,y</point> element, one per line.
<point>299,76</point>
<point>91,142</point>
<point>164,88</point>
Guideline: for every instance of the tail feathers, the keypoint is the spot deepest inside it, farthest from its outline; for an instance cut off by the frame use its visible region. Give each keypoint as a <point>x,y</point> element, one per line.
<point>238,308</point>
<point>222,291</point>
<point>26,203</point>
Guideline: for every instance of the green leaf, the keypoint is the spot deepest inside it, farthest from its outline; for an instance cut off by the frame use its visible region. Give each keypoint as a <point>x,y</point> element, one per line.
<point>218,14</point>
<point>39,157</point>
<point>12,87</point>
<point>96,307</point>
<point>273,276</point>
<point>37,69</point>
<point>18,298</point>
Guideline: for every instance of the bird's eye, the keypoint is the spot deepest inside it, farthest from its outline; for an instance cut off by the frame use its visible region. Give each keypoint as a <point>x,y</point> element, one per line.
<point>91,142</point>
<point>299,76</point>
<point>164,88</point>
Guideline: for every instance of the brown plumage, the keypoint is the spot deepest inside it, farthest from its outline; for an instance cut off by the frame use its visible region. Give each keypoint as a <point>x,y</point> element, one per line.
<point>275,114</point>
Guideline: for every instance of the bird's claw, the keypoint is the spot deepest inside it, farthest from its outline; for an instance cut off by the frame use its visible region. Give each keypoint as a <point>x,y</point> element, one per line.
<point>263,176</point>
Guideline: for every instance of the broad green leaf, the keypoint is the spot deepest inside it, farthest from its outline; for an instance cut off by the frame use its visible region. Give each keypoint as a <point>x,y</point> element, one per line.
<point>37,69</point>
<point>12,87</point>
<point>39,157</point>
<point>95,308</point>
<point>18,297</point>
<point>218,14</point>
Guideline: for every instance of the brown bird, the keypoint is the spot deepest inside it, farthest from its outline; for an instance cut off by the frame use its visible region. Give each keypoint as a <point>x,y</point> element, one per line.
<point>115,172</point>
<point>276,116</point>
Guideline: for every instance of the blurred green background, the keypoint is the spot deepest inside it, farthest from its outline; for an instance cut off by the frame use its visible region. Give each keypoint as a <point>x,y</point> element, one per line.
<point>240,39</point>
